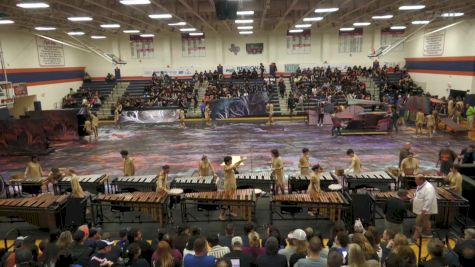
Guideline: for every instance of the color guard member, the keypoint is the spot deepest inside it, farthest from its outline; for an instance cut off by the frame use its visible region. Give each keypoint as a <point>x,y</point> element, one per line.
<point>270,111</point>
<point>420,118</point>
<point>314,186</point>
<point>181,117</point>
<point>76,189</point>
<point>88,128</point>
<point>129,165</point>
<point>208,114</point>
<point>95,124</point>
<point>117,113</point>
<point>278,170</point>
<point>230,185</point>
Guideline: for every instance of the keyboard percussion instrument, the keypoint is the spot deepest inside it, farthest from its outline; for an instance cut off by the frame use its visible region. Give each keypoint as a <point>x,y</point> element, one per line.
<point>145,183</point>
<point>261,180</point>
<point>195,184</point>
<point>94,183</point>
<point>300,182</point>
<point>27,185</point>
<point>378,179</point>
<point>409,181</point>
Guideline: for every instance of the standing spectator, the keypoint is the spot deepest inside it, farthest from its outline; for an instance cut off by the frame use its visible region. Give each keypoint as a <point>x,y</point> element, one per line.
<point>356,256</point>
<point>146,251</point>
<point>216,250</point>
<point>467,155</point>
<point>135,259</point>
<point>237,254</point>
<point>94,236</point>
<point>99,258</point>
<point>424,204</point>
<point>435,247</point>
<point>163,257</point>
<point>80,253</point>
<point>271,258</point>
<point>199,259</point>
<point>179,242</point>
<point>395,211</point>
<point>292,243</point>
<point>254,249</point>
<point>320,114</point>
<point>313,258</point>
<point>223,262</point>
<point>225,240</point>
<point>334,259</point>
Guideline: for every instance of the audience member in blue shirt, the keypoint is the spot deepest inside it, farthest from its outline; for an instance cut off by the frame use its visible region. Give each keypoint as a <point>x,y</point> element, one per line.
<point>200,259</point>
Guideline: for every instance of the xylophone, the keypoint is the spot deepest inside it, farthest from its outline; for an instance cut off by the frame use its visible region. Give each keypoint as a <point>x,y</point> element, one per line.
<point>409,181</point>
<point>144,183</point>
<point>93,183</point>
<point>261,180</point>
<point>29,185</point>
<point>243,199</point>
<point>331,205</point>
<point>379,179</point>
<point>46,211</point>
<point>300,183</point>
<point>449,204</point>
<point>195,184</point>
<point>154,204</point>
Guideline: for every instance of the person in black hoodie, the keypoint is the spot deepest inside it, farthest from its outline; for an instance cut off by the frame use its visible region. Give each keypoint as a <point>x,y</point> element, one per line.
<point>135,236</point>
<point>80,253</point>
<point>271,258</point>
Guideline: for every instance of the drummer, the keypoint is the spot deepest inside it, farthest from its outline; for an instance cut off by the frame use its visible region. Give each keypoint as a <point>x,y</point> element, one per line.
<point>304,162</point>
<point>409,165</point>
<point>205,168</point>
<point>230,182</point>
<point>355,166</point>
<point>163,178</point>
<point>314,186</point>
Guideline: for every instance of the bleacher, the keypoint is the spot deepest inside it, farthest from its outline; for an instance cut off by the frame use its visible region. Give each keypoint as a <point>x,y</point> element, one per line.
<point>137,88</point>
<point>104,89</point>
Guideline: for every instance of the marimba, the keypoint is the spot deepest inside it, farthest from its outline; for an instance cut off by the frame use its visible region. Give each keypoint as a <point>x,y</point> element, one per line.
<point>449,204</point>
<point>29,185</point>
<point>379,179</point>
<point>93,183</point>
<point>261,180</point>
<point>154,204</point>
<point>46,211</point>
<point>409,181</point>
<point>244,200</point>
<point>195,184</point>
<point>330,205</point>
<point>300,183</point>
<point>143,183</point>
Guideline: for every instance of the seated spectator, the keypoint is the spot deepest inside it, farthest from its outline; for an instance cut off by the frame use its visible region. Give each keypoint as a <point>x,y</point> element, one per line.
<point>80,253</point>
<point>24,258</point>
<point>388,236</point>
<point>223,262</point>
<point>254,249</point>
<point>271,257</point>
<point>135,259</point>
<point>325,250</point>
<point>216,250</point>
<point>87,77</point>
<point>404,256</point>
<point>236,254</point>
<point>341,243</point>
<point>163,256</point>
<point>338,226</point>
<point>465,248</point>
<point>225,240</point>
<point>110,77</point>
<point>313,258</point>
<point>199,259</point>
<point>99,258</point>
<point>300,242</point>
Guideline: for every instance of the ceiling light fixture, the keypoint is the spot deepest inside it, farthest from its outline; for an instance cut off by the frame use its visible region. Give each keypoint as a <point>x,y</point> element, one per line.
<point>361,24</point>
<point>451,14</point>
<point>160,16</point>
<point>245,27</point>
<point>246,32</point>
<point>131,31</point>
<point>79,18</point>
<point>147,35</point>
<point>110,26</point>
<point>45,28</point>
<point>135,2</point>
<point>413,7</point>
<point>295,30</point>
<point>313,19</point>
<point>349,29</point>
<point>32,5</point>
<point>326,10</point>
<point>188,29</point>
<point>177,24</point>
<point>243,21</point>
<point>383,17</point>
<point>243,13</point>
<point>97,37</point>
<point>196,34</point>
<point>303,25</point>
<point>398,27</point>
<point>419,22</point>
<point>76,33</point>
<point>6,21</point>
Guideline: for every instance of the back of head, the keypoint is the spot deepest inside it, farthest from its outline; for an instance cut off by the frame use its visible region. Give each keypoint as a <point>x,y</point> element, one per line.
<point>334,259</point>
<point>272,246</point>
<point>400,240</point>
<point>254,239</point>
<point>229,229</point>
<point>343,239</point>
<point>356,255</point>
<point>469,233</point>
<point>199,246</point>
<point>213,240</point>
<point>248,227</point>
<point>435,247</point>
<point>315,245</point>
<point>406,254</point>
<point>23,257</point>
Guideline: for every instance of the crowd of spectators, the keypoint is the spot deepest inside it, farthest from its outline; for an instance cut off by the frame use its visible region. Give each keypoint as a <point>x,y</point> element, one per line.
<point>191,248</point>
<point>89,98</point>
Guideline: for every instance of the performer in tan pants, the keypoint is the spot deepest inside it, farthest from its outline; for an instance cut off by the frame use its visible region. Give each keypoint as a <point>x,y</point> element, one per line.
<point>278,171</point>
<point>230,185</point>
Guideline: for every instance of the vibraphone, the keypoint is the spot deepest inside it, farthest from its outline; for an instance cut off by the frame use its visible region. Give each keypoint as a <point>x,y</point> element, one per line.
<point>409,181</point>
<point>449,205</point>
<point>46,211</point>
<point>195,184</point>
<point>331,205</point>
<point>143,183</point>
<point>261,180</point>
<point>93,183</point>
<point>32,186</point>
<point>244,200</point>
<point>154,204</point>
<point>380,179</point>
<point>300,183</point>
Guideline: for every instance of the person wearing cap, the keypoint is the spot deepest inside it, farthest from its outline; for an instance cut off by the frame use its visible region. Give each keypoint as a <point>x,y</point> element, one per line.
<point>93,238</point>
<point>313,258</point>
<point>424,204</point>
<point>128,162</point>
<point>446,159</point>
<point>300,248</point>
<point>293,238</point>
<point>80,253</point>
<point>216,250</point>
<point>99,258</point>
<point>163,178</point>
<point>271,257</point>
<point>236,254</point>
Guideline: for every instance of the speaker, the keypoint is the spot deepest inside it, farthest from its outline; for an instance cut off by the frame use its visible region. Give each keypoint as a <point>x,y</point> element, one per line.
<point>37,105</point>
<point>226,9</point>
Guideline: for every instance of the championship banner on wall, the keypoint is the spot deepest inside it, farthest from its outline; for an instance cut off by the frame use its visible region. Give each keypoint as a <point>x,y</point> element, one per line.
<point>389,37</point>
<point>351,41</point>
<point>254,48</point>
<point>193,46</point>
<point>50,53</point>
<point>20,89</point>
<point>434,43</point>
<point>299,43</point>
<point>141,47</point>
